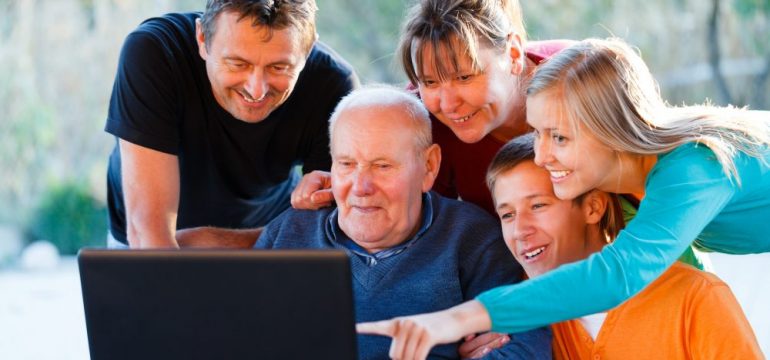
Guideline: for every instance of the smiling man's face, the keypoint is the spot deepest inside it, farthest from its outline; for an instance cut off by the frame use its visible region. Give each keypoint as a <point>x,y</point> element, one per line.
<point>541,230</point>
<point>252,69</point>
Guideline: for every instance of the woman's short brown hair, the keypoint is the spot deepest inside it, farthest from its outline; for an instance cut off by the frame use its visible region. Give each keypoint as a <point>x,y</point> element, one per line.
<point>442,25</point>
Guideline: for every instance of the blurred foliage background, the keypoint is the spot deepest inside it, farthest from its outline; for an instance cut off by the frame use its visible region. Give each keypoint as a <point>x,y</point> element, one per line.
<point>58,60</point>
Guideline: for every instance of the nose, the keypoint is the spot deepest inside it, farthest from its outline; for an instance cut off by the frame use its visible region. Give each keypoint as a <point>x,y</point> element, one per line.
<point>256,84</point>
<point>362,183</point>
<point>449,100</point>
<point>523,227</point>
<point>542,151</point>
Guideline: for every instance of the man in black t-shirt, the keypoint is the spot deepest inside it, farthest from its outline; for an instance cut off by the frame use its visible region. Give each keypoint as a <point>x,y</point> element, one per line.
<point>212,113</point>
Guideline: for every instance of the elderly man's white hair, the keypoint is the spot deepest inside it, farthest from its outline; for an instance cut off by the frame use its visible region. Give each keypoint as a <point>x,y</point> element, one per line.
<point>379,95</point>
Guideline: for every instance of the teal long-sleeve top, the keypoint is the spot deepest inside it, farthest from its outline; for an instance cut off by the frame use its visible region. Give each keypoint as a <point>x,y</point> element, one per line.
<point>687,196</point>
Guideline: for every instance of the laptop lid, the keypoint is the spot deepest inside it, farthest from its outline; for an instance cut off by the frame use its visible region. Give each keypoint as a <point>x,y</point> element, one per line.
<point>217,304</point>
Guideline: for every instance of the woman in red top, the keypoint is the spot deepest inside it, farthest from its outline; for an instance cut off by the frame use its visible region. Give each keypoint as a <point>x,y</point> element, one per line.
<point>468,61</point>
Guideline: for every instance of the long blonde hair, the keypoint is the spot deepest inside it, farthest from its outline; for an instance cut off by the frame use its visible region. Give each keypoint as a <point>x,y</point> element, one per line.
<point>606,86</point>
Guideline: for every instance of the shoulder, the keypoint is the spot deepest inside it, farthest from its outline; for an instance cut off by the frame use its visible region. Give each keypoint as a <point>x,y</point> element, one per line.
<point>472,228</point>
<point>166,40</point>
<point>685,278</point>
<point>301,219</point>
<point>172,27</point>
<point>295,229</point>
<point>688,163</point>
<point>461,214</point>
<point>688,274</point>
<point>688,151</point>
<point>323,59</point>
<point>538,51</point>
<point>473,239</point>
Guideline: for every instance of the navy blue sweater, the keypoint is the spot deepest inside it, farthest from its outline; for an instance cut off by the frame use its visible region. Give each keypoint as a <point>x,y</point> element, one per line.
<point>460,255</point>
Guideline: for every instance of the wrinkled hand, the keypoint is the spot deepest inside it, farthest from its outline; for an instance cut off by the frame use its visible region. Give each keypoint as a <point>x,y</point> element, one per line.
<point>476,346</point>
<point>313,191</point>
<point>414,336</point>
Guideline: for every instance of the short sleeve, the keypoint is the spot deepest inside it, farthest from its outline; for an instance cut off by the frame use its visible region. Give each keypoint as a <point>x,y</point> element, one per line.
<point>143,105</point>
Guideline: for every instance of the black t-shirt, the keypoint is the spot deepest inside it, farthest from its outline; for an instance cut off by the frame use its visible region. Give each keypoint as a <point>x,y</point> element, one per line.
<point>233,174</point>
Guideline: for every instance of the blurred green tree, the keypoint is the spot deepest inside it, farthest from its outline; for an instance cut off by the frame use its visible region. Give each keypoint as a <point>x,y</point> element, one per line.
<point>365,32</point>
<point>69,217</point>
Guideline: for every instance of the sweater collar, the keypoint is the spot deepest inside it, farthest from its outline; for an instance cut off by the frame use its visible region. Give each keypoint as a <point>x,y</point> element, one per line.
<point>339,238</point>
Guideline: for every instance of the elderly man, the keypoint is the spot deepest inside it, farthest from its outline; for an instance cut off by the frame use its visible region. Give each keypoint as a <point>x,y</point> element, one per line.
<point>412,251</point>
<point>212,112</point>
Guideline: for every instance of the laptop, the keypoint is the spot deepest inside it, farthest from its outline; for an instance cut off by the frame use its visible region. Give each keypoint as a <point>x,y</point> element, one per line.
<point>217,304</point>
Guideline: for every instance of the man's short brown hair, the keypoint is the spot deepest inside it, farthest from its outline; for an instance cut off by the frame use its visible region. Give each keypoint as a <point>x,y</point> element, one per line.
<point>273,14</point>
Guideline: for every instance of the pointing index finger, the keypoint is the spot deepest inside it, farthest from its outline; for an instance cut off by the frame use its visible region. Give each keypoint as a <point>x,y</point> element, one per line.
<point>384,328</point>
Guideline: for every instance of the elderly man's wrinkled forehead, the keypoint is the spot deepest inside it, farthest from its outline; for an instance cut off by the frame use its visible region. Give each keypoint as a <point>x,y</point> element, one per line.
<point>396,109</point>
<point>372,119</point>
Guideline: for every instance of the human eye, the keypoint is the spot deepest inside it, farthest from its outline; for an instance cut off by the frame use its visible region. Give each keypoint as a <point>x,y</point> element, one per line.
<point>506,216</point>
<point>236,65</point>
<point>280,68</point>
<point>382,166</point>
<point>558,139</point>
<point>538,205</point>
<point>465,77</point>
<point>429,83</point>
<point>345,164</point>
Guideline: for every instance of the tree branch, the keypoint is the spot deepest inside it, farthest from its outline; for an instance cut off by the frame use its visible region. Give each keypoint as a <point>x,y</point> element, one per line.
<point>715,55</point>
<point>759,101</point>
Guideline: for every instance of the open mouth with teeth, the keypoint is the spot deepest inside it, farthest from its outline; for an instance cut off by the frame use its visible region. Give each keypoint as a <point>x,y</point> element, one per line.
<point>465,118</point>
<point>250,99</point>
<point>558,174</point>
<point>534,253</point>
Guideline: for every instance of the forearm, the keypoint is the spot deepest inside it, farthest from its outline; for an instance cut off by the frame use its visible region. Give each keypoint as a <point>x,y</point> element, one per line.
<point>472,316</point>
<point>150,227</point>
<point>148,232</point>
<point>568,292</point>
<point>151,193</point>
<point>211,237</point>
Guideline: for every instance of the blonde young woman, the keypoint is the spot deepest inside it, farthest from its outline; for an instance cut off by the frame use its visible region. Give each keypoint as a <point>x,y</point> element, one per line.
<point>600,123</point>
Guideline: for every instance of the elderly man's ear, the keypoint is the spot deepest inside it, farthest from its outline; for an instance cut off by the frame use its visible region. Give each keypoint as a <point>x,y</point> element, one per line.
<point>432,156</point>
<point>595,205</point>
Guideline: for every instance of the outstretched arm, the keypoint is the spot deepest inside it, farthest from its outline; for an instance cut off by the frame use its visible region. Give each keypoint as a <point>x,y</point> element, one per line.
<point>685,191</point>
<point>414,336</point>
